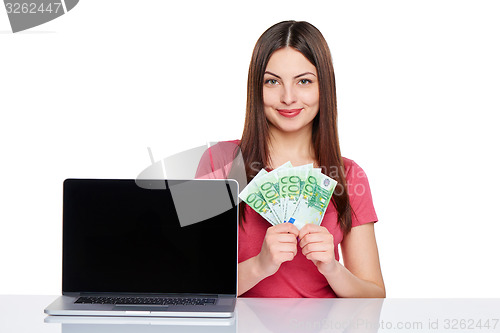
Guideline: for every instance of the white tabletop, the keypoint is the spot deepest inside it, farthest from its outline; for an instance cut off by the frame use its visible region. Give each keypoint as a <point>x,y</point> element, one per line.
<point>25,314</point>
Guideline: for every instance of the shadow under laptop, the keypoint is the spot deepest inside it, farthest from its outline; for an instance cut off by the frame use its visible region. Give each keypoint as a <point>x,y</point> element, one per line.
<point>88,324</point>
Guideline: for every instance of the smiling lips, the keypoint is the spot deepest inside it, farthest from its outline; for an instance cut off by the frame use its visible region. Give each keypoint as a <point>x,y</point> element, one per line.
<point>289,113</point>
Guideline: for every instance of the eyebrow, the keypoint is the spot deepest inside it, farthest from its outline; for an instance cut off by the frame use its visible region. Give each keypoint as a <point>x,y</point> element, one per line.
<point>295,77</point>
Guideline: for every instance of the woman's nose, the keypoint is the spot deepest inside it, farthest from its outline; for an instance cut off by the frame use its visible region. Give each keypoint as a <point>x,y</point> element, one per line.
<point>288,95</point>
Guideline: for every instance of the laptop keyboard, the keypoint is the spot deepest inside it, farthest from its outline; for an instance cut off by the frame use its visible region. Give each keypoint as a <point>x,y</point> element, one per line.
<point>145,300</point>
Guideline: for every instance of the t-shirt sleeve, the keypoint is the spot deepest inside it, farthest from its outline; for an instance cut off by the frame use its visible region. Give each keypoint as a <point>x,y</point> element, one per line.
<point>216,162</point>
<point>205,167</point>
<point>360,195</point>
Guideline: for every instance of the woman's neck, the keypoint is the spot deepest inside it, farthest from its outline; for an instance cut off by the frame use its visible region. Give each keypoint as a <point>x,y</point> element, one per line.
<point>295,147</point>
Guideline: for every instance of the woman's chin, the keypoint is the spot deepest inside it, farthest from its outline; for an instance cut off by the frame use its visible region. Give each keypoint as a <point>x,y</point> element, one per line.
<point>290,129</point>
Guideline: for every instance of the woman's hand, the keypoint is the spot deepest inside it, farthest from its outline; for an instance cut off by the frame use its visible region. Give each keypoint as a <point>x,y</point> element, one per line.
<point>280,245</point>
<point>318,246</point>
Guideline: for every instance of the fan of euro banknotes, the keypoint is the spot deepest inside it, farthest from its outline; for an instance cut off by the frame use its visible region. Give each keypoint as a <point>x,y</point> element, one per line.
<point>298,195</point>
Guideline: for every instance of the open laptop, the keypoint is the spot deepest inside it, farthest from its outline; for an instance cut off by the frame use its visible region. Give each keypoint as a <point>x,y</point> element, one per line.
<point>161,248</point>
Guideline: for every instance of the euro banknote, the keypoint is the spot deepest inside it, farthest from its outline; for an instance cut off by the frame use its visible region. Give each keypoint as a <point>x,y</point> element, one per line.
<point>315,196</point>
<point>297,195</point>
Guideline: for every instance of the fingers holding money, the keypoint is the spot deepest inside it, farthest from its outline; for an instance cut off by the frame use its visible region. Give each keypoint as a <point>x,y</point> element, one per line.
<point>279,245</point>
<point>317,245</point>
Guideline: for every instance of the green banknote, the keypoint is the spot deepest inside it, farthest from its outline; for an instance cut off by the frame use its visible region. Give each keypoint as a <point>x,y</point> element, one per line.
<point>260,173</point>
<point>314,198</point>
<point>298,195</point>
<point>291,182</point>
<point>252,196</point>
<point>268,185</point>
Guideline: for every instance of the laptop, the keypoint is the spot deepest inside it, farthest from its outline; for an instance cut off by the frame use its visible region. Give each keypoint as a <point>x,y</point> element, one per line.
<point>156,248</point>
<point>85,324</point>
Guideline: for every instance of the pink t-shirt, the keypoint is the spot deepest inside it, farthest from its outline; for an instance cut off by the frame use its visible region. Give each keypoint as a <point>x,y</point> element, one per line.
<point>299,277</point>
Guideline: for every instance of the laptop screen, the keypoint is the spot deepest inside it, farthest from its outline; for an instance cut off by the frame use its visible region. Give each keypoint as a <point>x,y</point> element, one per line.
<point>173,237</point>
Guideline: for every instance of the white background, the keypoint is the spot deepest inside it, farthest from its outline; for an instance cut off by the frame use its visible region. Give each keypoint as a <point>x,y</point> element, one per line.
<point>418,93</point>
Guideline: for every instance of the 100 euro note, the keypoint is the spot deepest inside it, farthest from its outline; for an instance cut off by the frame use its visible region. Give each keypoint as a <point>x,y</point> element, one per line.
<point>252,197</point>
<point>314,199</point>
<point>268,185</point>
<point>291,182</point>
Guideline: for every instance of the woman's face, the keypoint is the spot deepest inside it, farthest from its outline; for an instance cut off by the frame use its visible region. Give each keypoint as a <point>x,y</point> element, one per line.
<point>291,91</point>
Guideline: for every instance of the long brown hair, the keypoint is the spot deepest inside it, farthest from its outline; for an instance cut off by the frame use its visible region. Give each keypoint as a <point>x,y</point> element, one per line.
<point>308,40</point>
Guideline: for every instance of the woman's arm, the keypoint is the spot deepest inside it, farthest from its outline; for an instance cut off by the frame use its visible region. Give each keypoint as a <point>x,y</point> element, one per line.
<point>361,276</point>
<point>279,245</point>
<point>249,275</point>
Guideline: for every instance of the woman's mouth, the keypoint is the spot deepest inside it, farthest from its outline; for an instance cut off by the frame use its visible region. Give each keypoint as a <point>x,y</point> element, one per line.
<point>289,113</point>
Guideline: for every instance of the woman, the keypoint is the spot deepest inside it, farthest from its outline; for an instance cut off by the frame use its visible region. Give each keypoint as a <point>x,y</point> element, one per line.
<point>291,116</point>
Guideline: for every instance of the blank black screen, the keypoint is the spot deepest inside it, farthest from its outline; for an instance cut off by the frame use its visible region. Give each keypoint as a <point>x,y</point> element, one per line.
<point>119,237</point>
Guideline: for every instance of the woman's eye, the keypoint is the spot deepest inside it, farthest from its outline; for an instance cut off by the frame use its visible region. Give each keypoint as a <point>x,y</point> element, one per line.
<point>304,81</point>
<point>272,81</point>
